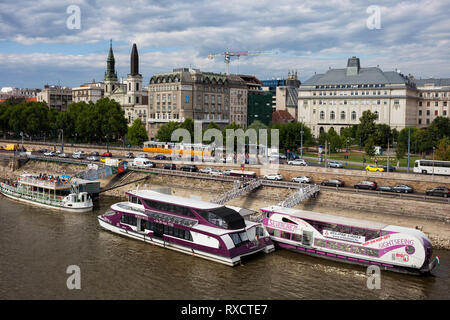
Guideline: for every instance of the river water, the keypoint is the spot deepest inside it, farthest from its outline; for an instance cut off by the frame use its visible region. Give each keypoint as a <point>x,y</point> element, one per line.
<point>37,246</point>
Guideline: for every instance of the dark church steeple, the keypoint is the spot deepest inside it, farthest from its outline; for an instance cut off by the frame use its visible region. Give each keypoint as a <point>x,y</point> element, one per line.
<point>110,73</point>
<point>134,61</point>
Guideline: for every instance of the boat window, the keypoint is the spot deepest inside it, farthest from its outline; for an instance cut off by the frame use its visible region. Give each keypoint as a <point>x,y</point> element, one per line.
<point>345,247</point>
<point>128,220</point>
<point>270,231</point>
<point>372,252</point>
<point>276,233</point>
<point>287,220</point>
<point>260,231</point>
<point>168,207</point>
<point>235,238</point>
<point>319,242</point>
<point>297,237</point>
<point>223,217</point>
<point>286,235</point>
<point>332,245</point>
<point>358,250</point>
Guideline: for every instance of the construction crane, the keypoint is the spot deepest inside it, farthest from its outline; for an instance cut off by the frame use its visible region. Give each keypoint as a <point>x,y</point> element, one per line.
<point>229,54</point>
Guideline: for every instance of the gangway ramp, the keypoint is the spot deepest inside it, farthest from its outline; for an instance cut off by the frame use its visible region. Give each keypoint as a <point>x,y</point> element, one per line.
<point>240,188</point>
<point>303,193</point>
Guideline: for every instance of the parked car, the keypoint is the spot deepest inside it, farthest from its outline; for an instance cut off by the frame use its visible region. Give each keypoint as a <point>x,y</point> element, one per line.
<point>170,166</point>
<point>391,168</point>
<point>297,162</point>
<point>302,179</point>
<point>282,156</point>
<point>22,149</point>
<point>79,156</point>
<point>273,176</point>
<point>43,150</point>
<point>227,172</point>
<point>403,188</point>
<point>439,191</point>
<point>371,185</point>
<point>371,167</point>
<point>50,154</point>
<point>63,155</point>
<point>107,154</point>
<point>333,182</point>
<point>129,155</point>
<point>160,157</point>
<point>189,167</point>
<point>385,188</point>
<point>292,156</point>
<point>205,170</point>
<point>142,155</point>
<point>335,164</point>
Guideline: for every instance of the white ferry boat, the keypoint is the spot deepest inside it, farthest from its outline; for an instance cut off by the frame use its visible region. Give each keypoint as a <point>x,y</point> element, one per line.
<point>203,229</point>
<point>349,240</point>
<point>48,191</point>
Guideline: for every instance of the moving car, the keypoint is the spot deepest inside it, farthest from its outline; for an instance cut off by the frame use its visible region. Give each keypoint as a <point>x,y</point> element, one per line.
<point>273,176</point>
<point>439,191</point>
<point>371,167</point>
<point>216,172</point>
<point>391,168</point>
<point>170,166</point>
<point>79,155</point>
<point>385,188</point>
<point>302,179</point>
<point>371,185</point>
<point>143,163</point>
<point>298,162</point>
<point>129,155</point>
<point>402,188</point>
<point>335,164</point>
<point>50,154</point>
<point>189,167</point>
<point>107,154</point>
<point>42,150</point>
<point>142,155</point>
<point>206,170</point>
<point>93,157</point>
<point>160,157</point>
<point>63,155</point>
<point>333,183</point>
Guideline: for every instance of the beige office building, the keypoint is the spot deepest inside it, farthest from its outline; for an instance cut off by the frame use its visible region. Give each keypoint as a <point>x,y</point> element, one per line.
<point>56,97</point>
<point>337,98</point>
<point>433,100</point>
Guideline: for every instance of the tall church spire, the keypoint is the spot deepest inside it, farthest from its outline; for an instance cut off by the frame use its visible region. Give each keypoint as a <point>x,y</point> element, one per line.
<point>134,61</point>
<point>110,73</point>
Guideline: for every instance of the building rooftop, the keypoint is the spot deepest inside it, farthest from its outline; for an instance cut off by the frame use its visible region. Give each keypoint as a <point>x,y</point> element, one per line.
<point>436,82</point>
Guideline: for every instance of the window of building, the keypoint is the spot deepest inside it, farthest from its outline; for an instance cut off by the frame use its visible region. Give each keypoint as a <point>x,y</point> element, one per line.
<point>436,112</point>
<point>332,115</point>
<point>377,116</point>
<point>342,115</point>
<point>353,115</point>
<point>322,115</point>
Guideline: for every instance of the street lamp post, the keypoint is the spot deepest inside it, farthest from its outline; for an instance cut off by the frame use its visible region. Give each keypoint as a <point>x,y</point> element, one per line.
<point>433,163</point>
<point>301,142</point>
<point>409,143</point>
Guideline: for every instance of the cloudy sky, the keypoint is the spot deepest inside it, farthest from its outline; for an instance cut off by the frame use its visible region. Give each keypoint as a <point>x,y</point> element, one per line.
<point>38,48</point>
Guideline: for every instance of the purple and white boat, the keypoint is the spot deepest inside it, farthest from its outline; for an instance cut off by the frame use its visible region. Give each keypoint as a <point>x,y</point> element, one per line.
<point>348,240</point>
<point>204,229</point>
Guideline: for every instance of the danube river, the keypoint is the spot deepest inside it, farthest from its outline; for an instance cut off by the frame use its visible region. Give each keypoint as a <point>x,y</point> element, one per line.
<point>37,246</point>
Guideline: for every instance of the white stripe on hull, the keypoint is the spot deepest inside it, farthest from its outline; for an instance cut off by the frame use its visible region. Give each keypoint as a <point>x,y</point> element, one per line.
<point>48,206</point>
<point>132,234</point>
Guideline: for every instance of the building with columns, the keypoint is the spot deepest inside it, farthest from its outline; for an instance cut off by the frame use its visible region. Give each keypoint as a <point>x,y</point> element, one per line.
<point>433,100</point>
<point>129,93</point>
<point>337,98</point>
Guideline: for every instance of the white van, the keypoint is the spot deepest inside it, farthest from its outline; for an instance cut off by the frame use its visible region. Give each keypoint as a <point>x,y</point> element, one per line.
<point>143,163</point>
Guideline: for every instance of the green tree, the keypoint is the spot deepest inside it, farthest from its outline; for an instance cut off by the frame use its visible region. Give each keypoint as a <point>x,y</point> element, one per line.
<point>366,127</point>
<point>370,147</point>
<point>164,133</point>
<point>137,134</point>
<point>442,151</point>
<point>382,134</point>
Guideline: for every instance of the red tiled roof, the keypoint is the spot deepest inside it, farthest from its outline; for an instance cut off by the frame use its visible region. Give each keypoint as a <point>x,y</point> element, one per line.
<point>31,99</point>
<point>282,116</point>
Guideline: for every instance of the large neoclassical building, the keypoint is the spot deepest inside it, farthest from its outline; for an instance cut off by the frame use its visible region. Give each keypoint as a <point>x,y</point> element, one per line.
<point>129,93</point>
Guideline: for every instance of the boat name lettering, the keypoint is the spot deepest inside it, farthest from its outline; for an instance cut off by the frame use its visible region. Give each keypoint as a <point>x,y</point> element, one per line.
<point>376,240</point>
<point>396,242</point>
<point>343,236</point>
<point>281,225</point>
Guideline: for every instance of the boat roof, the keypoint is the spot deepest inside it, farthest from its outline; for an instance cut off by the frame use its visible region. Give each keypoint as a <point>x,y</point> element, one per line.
<point>325,217</point>
<point>186,202</point>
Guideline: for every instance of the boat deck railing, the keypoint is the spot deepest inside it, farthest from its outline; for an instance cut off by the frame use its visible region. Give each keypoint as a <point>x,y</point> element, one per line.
<point>48,184</point>
<point>32,196</point>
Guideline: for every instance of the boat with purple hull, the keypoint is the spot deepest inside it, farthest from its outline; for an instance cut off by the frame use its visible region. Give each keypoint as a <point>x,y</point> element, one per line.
<point>352,241</point>
<point>204,229</point>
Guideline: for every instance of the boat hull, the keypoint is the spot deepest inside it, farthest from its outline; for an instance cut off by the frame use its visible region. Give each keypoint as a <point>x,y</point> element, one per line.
<point>176,247</point>
<point>349,260</point>
<point>43,205</point>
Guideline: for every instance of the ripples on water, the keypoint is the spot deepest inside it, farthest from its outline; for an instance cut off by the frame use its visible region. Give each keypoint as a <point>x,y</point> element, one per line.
<point>37,245</point>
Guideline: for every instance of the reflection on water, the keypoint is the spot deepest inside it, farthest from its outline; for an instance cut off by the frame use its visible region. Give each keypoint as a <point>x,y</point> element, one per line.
<point>37,246</point>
